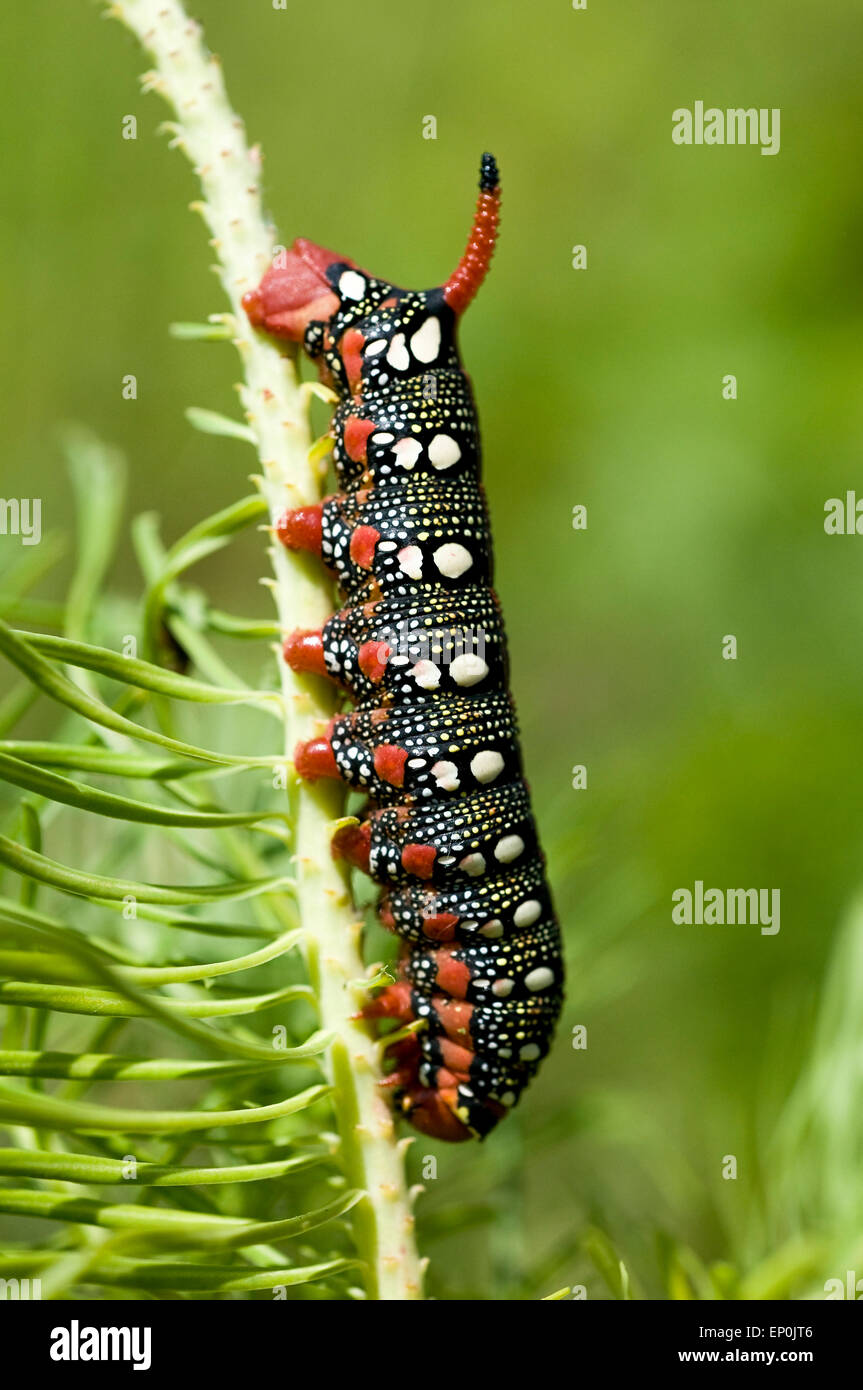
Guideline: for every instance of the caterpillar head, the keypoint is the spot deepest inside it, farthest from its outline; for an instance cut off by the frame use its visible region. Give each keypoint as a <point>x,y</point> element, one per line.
<point>339,312</point>
<point>296,291</point>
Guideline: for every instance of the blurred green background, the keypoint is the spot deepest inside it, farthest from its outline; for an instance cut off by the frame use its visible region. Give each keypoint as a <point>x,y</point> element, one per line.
<point>601,387</point>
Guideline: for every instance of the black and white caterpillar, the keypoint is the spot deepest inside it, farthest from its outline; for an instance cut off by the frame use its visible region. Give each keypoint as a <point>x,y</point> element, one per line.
<point>420,647</point>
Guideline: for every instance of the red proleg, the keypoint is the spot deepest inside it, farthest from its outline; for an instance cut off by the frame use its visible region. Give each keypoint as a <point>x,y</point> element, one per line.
<point>303,650</point>
<point>301,528</point>
<point>314,759</point>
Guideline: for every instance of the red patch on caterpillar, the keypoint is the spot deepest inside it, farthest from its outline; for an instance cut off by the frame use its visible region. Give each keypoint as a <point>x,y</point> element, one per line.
<point>301,528</point>
<point>357,433</point>
<point>353,843</point>
<point>303,650</point>
<point>362,548</point>
<point>407,1055</point>
<point>452,974</point>
<point>419,860</point>
<point>314,758</point>
<point>459,1059</point>
<point>399,1079</point>
<point>372,659</point>
<point>351,349</point>
<point>454,1017</point>
<point>447,1080</point>
<point>405,1051</point>
<point>390,764</point>
<point>392,1002</point>
<point>433,1113</point>
<point>440,926</point>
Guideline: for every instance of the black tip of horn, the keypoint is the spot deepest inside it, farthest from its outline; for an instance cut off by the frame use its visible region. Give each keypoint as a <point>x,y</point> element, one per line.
<point>489,177</point>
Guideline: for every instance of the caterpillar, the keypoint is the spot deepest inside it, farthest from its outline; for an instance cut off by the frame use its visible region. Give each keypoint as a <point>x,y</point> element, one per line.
<point>420,648</point>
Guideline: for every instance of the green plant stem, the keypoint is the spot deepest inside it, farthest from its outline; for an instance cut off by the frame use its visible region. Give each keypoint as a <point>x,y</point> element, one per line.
<point>276,406</point>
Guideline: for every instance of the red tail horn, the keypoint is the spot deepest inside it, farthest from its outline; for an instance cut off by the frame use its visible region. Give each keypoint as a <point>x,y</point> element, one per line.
<point>472,269</point>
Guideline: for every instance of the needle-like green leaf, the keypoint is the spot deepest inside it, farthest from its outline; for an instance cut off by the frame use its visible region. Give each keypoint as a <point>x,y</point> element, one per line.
<point>97,1170</point>
<point>70,793</point>
<point>68,880</point>
<point>142,674</point>
<point>18,1106</point>
<point>53,683</point>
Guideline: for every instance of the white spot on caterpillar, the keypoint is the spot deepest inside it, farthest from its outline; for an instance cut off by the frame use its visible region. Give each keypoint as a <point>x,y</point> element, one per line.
<point>351,285</point>
<point>411,561</point>
<point>398,355</point>
<point>486,765</point>
<point>417,762</point>
<point>407,451</point>
<point>473,865</point>
<point>492,930</point>
<point>468,668</point>
<point>446,775</point>
<point>425,343</point>
<point>528,1053</point>
<point>381,436</point>
<point>444,451</point>
<point>453,559</point>
<point>540,978</point>
<point>426,675</point>
<point>509,848</point>
<point>527,912</point>
<point>503,988</point>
